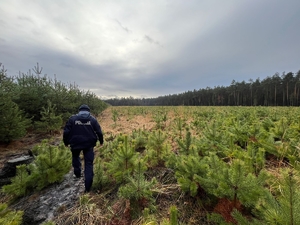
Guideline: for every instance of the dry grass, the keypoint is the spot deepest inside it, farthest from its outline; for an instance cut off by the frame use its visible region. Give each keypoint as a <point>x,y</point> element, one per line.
<point>128,121</point>
<point>86,211</point>
<point>125,124</point>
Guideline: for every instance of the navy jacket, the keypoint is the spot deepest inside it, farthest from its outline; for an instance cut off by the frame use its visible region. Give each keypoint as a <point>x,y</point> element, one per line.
<point>82,131</point>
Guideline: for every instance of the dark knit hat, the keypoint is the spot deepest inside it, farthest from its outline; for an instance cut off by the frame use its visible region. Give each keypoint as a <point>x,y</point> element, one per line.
<point>84,108</point>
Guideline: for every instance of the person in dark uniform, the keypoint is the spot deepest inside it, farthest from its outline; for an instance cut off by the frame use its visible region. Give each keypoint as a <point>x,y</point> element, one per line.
<point>81,133</point>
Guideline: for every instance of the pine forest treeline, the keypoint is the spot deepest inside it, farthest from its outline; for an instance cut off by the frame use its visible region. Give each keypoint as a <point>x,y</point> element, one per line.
<point>36,102</point>
<point>277,90</point>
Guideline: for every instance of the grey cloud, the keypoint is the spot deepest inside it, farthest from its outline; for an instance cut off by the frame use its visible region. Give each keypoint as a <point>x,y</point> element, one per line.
<point>2,22</point>
<point>26,19</point>
<point>152,41</point>
<point>124,28</point>
<point>65,64</point>
<point>256,39</point>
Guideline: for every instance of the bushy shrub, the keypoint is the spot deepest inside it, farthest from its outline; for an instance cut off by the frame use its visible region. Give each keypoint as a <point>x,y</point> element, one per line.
<point>10,217</point>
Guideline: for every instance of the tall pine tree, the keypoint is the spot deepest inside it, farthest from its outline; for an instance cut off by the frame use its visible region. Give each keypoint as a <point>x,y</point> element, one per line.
<point>13,123</point>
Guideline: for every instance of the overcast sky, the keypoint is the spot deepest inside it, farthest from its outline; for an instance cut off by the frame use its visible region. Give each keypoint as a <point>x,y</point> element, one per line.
<point>150,48</point>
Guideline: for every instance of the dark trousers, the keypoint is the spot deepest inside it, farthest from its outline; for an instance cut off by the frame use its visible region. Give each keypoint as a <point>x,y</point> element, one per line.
<point>88,155</point>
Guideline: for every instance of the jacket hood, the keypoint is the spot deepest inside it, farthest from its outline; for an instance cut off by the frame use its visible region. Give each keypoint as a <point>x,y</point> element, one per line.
<point>84,114</point>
